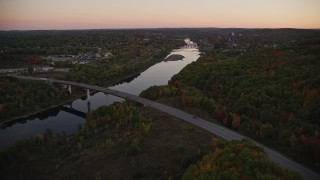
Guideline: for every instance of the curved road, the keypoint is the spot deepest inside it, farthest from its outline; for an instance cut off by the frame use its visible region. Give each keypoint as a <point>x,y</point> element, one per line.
<point>213,128</point>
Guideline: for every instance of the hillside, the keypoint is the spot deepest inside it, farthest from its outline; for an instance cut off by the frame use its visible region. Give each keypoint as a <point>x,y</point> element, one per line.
<point>270,94</point>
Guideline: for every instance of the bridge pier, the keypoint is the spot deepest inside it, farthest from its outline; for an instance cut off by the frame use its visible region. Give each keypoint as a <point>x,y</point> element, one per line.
<point>88,95</point>
<point>69,89</point>
<point>50,82</point>
<point>89,106</point>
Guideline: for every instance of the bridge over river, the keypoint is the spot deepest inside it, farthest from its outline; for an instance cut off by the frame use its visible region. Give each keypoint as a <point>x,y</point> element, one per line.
<point>196,121</point>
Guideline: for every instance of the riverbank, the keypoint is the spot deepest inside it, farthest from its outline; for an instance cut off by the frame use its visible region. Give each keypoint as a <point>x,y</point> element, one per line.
<point>60,120</point>
<point>11,120</point>
<point>128,78</point>
<point>174,57</point>
<point>38,111</point>
<point>95,152</point>
<point>236,104</point>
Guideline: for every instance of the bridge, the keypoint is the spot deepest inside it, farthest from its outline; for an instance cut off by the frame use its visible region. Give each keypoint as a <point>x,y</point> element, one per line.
<point>194,120</point>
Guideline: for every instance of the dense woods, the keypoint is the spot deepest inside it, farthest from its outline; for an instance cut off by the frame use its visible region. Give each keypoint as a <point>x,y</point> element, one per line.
<point>262,83</point>
<point>270,94</point>
<point>237,160</point>
<point>144,143</point>
<point>29,48</point>
<point>120,135</point>
<point>19,96</point>
<point>121,126</point>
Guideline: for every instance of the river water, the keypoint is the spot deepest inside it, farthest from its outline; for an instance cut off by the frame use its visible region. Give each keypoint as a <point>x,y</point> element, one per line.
<point>69,117</point>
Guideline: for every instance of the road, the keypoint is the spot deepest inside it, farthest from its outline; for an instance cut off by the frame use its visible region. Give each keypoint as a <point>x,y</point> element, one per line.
<point>196,121</point>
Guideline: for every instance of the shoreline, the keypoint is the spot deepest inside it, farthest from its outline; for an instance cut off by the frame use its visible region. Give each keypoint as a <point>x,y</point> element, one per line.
<point>38,111</point>
<point>41,110</point>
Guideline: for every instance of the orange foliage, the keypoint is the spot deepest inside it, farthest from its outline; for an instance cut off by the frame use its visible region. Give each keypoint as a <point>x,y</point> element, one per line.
<point>293,141</point>
<point>316,149</point>
<point>307,101</point>
<point>294,82</point>
<point>177,84</point>
<point>214,141</point>
<point>282,116</point>
<point>236,120</point>
<point>3,82</point>
<point>244,178</point>
<point>89,116</point>
<point>220,114</point>
<point>276,52</point>
<point>303,138</point>
<point>186,100</point>
<point>318,93</point>
<point>291,117</point>
<point>316,133</point>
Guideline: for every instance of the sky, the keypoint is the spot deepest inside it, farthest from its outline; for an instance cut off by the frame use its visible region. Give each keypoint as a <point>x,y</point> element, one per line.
<point>111,14</point>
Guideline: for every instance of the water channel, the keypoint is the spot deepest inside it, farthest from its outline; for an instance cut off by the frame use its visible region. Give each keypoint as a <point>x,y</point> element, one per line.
<point>69,117</point>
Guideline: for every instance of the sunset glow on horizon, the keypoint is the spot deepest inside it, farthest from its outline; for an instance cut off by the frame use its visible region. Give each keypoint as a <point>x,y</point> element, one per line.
<point>110,14</point>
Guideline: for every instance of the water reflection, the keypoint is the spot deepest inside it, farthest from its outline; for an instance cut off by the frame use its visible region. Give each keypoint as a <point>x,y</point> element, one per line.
<point>127,80</point>
<point>67,118</point>
<point>160,73</point>
<point>63,121</point>
<point>41,116</point>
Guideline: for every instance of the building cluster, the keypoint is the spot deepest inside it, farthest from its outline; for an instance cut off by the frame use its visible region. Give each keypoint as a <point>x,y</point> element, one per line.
<point>13,70</point>
<point>78,59</point>
<point>237,42</point>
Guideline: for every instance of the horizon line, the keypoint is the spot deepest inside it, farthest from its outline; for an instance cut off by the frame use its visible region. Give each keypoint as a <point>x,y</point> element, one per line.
<point>150,28</point>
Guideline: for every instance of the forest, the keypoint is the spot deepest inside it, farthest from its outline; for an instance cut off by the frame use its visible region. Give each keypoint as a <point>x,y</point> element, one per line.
<point>237,160</point>
<point>130,142</point>
<point>18,97</point>
<point>261,83</point>
<point>270,94</point>
<point>28,48</point>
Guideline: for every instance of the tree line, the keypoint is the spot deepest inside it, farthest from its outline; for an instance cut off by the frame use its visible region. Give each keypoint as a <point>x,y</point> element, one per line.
<point>272,95</point>
<point>18,97</point>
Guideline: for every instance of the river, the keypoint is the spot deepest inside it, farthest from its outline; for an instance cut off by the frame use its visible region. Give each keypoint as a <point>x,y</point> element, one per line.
<point>69,117</point>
